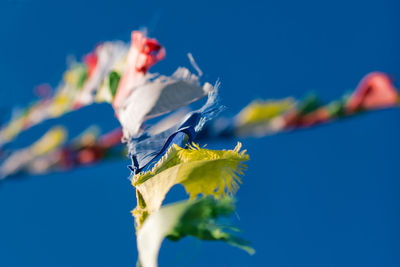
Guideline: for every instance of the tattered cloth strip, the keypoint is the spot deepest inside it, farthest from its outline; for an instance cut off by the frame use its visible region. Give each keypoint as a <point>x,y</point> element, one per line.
<point>49,154</point>
<point>178,128</point>
<point>189,218</point>
<point>159,96</point>
<point>201,171</point>
<point>143,53</point>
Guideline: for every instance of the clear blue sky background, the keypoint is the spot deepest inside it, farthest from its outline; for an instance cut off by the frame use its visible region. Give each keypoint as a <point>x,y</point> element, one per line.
<point>327,196</point>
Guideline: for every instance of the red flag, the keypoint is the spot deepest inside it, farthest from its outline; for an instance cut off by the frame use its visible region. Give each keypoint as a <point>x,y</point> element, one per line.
<point>374,91</point>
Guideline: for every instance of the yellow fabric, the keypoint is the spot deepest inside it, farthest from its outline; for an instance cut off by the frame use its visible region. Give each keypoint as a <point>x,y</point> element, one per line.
<point>59,105</point>
<point>73,75</point>
<point>201,171</point>
<point>52,139</point>
<point>13,128</point>
<point>260,111</point>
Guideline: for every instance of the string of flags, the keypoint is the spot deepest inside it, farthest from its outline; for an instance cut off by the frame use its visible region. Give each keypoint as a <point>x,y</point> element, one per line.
<point>51,152</point>
<point>259,118</point>
<point>81,86</point>
<point>165,153</point>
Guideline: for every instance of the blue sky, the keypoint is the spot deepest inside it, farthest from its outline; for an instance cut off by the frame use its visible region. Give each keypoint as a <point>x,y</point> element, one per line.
<point>327,196</point>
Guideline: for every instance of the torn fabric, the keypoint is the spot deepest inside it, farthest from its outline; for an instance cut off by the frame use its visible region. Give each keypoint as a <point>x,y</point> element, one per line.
<point>178,128</point>
<point>190,218</point>
<point>201,171</point>
<point>160,96</point>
